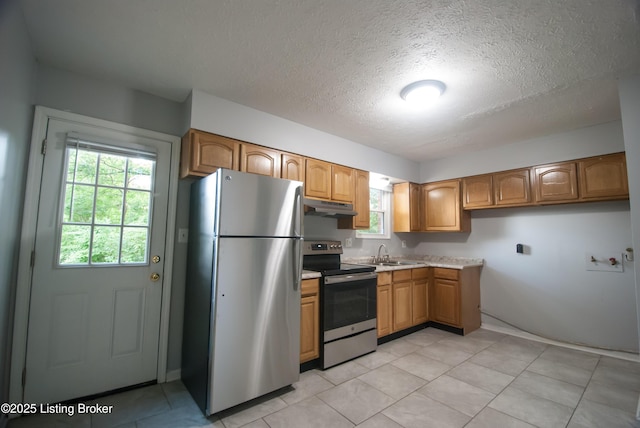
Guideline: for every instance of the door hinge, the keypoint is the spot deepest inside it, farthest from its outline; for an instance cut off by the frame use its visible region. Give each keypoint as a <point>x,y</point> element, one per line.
<point>33,258</point>
<point>43,149</point>
<point>24,376</point>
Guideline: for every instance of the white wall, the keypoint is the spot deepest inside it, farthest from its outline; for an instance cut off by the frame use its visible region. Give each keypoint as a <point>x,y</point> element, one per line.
<point>630,107</point>
<point>548,291</point>
<point>17,71</point>
<point>219,116</point>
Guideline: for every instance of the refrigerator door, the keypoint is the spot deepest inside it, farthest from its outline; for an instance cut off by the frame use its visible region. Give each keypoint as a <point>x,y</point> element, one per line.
<point>255,205</point>
<point>256,326</point>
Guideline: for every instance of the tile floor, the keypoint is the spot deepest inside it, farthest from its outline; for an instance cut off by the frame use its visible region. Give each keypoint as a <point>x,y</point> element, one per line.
<point>427,379</point>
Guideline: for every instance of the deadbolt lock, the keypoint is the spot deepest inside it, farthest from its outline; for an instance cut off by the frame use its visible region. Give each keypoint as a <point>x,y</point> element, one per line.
<point>155,259</point>
<point>155,276</point>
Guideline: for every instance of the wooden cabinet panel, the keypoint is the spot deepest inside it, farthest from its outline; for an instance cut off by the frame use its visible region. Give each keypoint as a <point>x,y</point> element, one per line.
<point>292,167</point>
<point>407,207</point>
<point>446,301</point>
<point>385,309</point>
<point>260,160</point>
<point>309,320</point>
<point>317,180</point>
<point>555,182</point>
<point>401,305</point>
<point>203,153</point>
<point>442,207</point>
<point>603,177</point>
<point>477,192</point>
<point>419,301</point>
<point>361,204</point>
<point>342,183</point>
<point>512,187</point>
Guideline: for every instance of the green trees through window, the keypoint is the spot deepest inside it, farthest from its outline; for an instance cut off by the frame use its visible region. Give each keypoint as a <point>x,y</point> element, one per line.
<point>106,210</point>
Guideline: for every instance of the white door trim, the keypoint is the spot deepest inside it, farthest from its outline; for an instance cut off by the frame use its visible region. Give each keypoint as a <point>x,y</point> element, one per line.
<point>28,233</point>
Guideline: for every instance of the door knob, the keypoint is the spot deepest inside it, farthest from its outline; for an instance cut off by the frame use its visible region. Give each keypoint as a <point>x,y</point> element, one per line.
<point>155,276</point>
<point>155,259</point>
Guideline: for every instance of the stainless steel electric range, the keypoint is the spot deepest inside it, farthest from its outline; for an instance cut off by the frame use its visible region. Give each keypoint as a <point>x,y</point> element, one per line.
<point>347,303</point>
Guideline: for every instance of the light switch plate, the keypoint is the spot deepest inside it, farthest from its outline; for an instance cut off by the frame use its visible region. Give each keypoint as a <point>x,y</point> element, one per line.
<point>183,236</point>
<point>348,243</point>
<point>601,262</point>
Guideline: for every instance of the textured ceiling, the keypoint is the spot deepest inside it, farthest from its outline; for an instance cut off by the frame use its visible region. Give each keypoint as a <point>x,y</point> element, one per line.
<point>514,69</point>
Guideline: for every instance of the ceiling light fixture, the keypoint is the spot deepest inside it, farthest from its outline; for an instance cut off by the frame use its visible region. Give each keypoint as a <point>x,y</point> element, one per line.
<point>422,92</point>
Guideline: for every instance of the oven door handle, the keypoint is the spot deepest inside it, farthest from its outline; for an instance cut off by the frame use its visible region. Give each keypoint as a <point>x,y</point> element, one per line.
<point>337,279</point>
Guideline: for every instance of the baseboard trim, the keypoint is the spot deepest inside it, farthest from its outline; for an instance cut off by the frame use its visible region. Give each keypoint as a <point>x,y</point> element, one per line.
<point>174,375</point>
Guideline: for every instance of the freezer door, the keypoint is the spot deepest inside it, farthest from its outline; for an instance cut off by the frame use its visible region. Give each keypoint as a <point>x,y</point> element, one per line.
<point>256,323</point>
<point>255,205</point>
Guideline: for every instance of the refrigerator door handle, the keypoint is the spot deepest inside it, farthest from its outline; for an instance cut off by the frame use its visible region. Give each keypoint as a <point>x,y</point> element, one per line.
<point>299,213</point>
<point>297,262</point>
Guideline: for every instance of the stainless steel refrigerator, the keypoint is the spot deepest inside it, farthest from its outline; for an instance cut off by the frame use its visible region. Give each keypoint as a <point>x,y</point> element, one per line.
<point>241,334</point>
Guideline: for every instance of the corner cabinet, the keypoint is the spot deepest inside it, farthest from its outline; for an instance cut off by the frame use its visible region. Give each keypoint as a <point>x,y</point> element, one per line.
<point>309,320</point>
<point>443,208</point>
<point>361,204</point>
<point>455,298</point>
<point>603,178</point>
<point>203,153</point>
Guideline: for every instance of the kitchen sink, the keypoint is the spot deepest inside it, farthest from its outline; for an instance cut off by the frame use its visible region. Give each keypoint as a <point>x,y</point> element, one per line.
<point>395,263</point>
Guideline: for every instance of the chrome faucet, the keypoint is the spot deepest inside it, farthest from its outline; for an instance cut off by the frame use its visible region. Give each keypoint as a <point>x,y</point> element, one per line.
<point>380,259</point>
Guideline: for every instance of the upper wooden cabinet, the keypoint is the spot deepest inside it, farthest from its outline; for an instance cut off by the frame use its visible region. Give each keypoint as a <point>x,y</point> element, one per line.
<point>324,180</point>
<point>555,183</point>
<point>477,192</point>
<point>292,167</point>
<point>443,207</point>
<point>342,183</point>
<point>512,187</point>
<point>407,207</point>
<point>203,153</point>
<point>317,179</point>
<point>260,160</point>
<point>603,177</point>
<point>361,204</point>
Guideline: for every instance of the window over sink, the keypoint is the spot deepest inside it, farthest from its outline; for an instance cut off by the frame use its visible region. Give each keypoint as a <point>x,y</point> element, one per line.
<point>380,215</point>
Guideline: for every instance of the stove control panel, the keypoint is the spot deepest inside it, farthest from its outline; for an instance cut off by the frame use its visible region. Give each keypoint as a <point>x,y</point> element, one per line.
<point>321,247</point>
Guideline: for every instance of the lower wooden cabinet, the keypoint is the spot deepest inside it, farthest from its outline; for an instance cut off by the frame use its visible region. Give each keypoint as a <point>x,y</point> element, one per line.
<point>401,296</point>
<point>309,320</point>
<point>419,296</point>
<point>455,298</point>
<point>384,304</point>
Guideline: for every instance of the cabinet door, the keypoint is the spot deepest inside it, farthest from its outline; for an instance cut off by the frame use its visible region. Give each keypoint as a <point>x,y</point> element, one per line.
<point>292,167</point>
<point>260,160</point>
<point>407,201</point>
<point>556,182</point>
<point>317,179</point>
<point>383,317</point>
<point>446,301</point>
<point>419,301</point>
<point>203,153</point>
<point>443,211</point>
<point>512,187</point>
<point>603,177</point>
<point>342,184</point>
<point>401,305</point>
<point>361,204</point>
<point>477,192</point>
<point>309,320</point>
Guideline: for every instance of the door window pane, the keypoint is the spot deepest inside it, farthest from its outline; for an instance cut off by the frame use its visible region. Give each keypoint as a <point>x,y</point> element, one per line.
<point>103,193</point>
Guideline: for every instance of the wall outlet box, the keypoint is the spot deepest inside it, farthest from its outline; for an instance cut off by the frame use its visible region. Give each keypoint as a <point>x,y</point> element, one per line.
<point>604,262</point>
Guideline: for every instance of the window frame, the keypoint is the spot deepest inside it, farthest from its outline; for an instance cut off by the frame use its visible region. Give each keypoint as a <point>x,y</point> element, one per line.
<point>385,210</point>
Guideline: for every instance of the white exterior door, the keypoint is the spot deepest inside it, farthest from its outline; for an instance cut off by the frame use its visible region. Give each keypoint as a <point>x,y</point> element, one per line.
<point>98,265</point>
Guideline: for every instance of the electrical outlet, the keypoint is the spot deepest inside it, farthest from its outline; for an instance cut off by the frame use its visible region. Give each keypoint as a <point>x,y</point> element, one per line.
<point>348,242</point>
<point>183,236</point>
<point>605,262</point>
<point>403,244</point>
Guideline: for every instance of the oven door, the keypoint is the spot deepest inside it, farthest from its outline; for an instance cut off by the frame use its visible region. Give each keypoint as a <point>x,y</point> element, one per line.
<point>348,304</point>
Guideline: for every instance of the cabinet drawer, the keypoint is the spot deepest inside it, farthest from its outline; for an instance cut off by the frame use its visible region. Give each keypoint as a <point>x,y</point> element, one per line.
<point>310,286</point>
<point>445,273</point>
<point>384,278</point>
<point>420,273</point>
<point>402,275</point>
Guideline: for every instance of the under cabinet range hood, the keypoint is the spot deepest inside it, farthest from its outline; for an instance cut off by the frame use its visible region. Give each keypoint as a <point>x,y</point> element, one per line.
<point>328,209</point>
